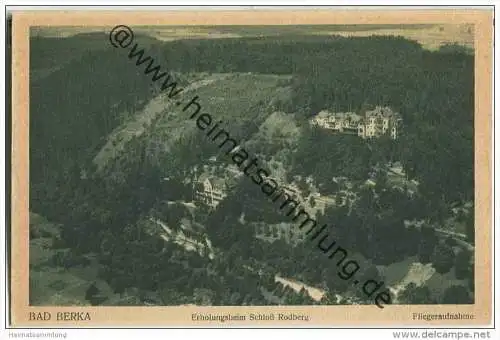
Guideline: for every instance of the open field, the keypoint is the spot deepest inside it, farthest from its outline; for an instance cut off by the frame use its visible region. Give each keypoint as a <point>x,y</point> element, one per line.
<point>430,36</point>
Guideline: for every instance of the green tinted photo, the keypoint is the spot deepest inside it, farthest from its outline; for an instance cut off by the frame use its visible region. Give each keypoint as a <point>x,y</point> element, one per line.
<point>251,165</point>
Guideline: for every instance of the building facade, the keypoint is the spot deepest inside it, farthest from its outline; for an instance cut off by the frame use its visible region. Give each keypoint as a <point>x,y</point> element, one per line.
<point>288,232</point>
<point>213,185</point>
<point>374,124</point>
<point>208,192</point>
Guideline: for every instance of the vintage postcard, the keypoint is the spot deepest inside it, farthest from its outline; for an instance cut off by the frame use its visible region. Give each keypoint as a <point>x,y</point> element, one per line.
<point>255,168</point>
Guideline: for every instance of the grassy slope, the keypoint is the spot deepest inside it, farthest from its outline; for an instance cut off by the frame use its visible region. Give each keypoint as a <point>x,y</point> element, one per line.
<point>51,284</point>
<point>241,101</point>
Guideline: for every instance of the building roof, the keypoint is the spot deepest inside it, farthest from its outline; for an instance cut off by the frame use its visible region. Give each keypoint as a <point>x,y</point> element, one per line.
<point>323,114</point>
<point>224,181</point>
<point>379,111</point>
<point>384,111</point>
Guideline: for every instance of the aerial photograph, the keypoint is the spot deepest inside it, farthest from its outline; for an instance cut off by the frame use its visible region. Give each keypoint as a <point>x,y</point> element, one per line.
<point>251,165</point>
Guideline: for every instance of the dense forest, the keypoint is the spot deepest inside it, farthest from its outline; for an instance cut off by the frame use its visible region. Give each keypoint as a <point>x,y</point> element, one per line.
<point>432,90</point>
<point>74,108</point>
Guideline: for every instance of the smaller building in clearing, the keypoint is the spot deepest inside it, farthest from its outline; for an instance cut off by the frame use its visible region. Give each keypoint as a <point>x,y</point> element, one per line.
<point>214,184</point>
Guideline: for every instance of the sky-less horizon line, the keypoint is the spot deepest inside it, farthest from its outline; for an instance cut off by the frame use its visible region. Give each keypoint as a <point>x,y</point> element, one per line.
<point>430,36</point>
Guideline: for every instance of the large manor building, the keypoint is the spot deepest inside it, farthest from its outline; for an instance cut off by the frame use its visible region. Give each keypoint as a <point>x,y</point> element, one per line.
<point>375,123</point>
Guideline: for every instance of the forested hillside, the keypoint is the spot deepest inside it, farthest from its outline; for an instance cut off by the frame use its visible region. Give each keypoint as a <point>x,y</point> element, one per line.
<point>265,90</point>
